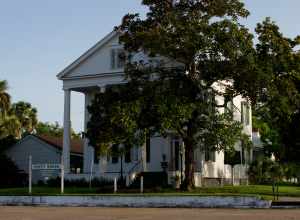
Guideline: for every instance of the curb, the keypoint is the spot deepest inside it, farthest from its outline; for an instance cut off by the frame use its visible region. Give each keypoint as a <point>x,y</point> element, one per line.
<point>137,201</point>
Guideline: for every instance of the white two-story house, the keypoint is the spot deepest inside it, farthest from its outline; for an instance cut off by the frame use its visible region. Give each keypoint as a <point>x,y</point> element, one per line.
<point>101,66</point>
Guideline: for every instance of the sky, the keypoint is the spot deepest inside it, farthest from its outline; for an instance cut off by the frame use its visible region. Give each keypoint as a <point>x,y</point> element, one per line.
<point>40,38</point>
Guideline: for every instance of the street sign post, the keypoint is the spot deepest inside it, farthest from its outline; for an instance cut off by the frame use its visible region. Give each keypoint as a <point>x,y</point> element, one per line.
<point>62,178</point>
<point>30,175</point>
<point>46,166</point>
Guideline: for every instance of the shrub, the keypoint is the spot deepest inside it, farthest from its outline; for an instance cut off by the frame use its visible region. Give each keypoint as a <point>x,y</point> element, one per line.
<point>264,170</point>
<point>10,175</point>
<point>96,182</point>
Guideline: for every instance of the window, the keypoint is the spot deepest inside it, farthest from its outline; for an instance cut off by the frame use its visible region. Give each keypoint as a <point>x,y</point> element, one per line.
<point>115,153</point>
<point>243,154</point>
<point>210,156</point>
<point>107,157</point>
<point>229,108</point>
<point>135,153</point>
<point>148,149</point>
<point>127,153</point>
<point>232,158</point>
<point>117,58</point>
<point>245,113</point>
<point>176,153</point>
<point>96,157</point>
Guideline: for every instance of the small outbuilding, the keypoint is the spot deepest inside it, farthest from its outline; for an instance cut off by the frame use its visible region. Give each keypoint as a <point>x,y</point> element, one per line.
<point>45,150</point>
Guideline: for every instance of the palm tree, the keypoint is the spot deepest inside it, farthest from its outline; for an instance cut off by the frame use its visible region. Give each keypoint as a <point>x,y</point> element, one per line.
<point>4,98</point>
<point>9,124</point>
<point>27,116</point>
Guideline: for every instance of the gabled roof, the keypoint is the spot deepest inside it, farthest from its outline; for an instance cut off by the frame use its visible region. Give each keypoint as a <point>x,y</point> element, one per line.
<point>86,55</point>
<point>57,142</point>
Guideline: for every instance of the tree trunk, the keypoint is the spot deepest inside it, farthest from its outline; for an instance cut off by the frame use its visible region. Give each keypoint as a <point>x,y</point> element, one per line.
<point>189,181</point>
<point>232,175</point>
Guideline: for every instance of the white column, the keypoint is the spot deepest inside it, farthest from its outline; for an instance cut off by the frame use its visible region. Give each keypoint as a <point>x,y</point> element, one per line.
<point>67,131</point>
<point>102,165</point>
<point>144,157</point>
<point>88,151</point>
<point>86,141</point>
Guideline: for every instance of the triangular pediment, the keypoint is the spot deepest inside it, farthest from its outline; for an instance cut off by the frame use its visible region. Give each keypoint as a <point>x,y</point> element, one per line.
<point>96,61</point>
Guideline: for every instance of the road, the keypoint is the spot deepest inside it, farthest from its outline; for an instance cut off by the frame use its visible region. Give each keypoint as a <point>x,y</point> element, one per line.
<point>52,213</point>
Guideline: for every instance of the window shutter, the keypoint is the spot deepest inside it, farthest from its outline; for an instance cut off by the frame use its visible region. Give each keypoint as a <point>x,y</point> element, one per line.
<point>115,155</point>
<point>148,149</point>
<point>96,158</point>
<point>242,112</point>
<point>135,153</point>
<point>248,115</point>
<point>127,153</point>
<point>245,113</point>
<point>120,58</point>
<point>113,58</point>
<point>212,156</point>
<point>206,155</point>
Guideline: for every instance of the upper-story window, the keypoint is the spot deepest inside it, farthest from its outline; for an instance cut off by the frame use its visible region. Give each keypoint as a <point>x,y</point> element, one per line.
<point>210,156</point>
<point>245,113</point>
<point>117,58</point>
<point>148,149</point>
<point>134,154</point>
<point>127,148</point>
<point>229,108</point>
<point>115,153</point>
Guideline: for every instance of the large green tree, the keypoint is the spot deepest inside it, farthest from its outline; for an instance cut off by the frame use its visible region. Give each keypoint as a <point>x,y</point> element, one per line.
<point>196,44</point>
<point>277,110</point>
<point>193,45</point>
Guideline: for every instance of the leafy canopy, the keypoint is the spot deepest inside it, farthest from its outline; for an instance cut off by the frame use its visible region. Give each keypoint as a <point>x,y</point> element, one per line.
<point>277,110</point>
<point>196,44</point>
<point>195,50</point>
<point>53,130</point>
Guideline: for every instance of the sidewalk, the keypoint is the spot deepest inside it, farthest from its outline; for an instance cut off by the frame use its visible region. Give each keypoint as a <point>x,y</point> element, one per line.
<point>289,199</point>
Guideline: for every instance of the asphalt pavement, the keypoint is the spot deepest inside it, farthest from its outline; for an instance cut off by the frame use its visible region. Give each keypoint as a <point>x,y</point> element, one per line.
<point>63,213</point>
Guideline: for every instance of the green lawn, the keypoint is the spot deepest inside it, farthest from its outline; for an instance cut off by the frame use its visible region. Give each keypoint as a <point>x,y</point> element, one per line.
<point>47,191</point>
<point>253,190</point>
<point>261,190</point>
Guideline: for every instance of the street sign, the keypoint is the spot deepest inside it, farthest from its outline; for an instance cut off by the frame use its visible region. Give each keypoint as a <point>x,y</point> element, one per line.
<point>46,167</point>
<point>50,166</point>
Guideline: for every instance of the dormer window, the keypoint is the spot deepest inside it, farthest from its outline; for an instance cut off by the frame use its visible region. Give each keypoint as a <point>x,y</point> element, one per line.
<point>117,58</point>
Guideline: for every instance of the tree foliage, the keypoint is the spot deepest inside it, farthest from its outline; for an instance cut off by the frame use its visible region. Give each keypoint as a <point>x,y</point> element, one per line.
<point>11,176</point>
<point>264,170</point>
<point>9,125</point>
<point>4,98</point>
<point>192,48</point>
<point>197,44</point>
<point>26,115</point>
<point>277,111</point>
<point>53,130</point>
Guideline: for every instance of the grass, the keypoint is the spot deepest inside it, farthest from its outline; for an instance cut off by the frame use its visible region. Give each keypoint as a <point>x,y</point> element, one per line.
<point>264,191</point>
<point>47,191</point>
